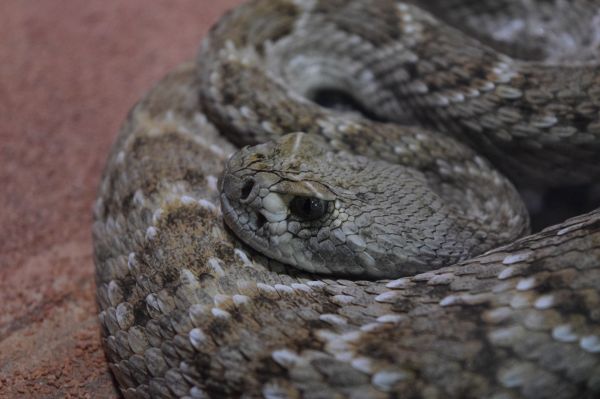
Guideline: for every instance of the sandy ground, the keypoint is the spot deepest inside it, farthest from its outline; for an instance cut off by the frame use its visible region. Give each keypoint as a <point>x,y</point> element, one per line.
<point>69,72</point>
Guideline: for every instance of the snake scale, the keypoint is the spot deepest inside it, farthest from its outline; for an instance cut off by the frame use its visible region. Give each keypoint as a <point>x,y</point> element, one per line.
<point>368,251</point>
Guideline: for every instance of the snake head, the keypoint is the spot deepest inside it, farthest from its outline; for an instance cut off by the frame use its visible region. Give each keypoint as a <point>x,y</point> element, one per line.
<point>298,201</point>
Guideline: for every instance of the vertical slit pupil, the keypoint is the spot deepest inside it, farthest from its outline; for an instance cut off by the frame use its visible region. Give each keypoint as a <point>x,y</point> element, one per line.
<point>308,205</point>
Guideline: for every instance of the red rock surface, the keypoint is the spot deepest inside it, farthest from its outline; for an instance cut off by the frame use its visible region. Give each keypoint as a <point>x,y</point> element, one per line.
<point>69,72</point>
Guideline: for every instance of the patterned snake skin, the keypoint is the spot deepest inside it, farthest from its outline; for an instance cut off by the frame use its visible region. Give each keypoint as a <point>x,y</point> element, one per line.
<point>384,183</point>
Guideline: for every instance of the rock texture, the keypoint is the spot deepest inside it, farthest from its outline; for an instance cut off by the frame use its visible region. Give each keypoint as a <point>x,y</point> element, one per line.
<point>69,72</point>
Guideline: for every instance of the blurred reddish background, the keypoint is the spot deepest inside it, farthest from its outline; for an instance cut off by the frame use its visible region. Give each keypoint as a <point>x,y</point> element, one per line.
<point>69,72</point>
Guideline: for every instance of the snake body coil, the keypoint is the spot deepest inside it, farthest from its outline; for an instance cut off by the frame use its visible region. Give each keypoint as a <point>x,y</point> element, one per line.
<point>392,182</point>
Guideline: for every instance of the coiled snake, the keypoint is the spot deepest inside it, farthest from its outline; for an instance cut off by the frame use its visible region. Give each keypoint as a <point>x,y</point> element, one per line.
<point>367,221</point>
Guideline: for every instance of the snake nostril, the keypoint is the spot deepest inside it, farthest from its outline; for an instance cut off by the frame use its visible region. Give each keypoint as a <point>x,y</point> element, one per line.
<point>246,189</point>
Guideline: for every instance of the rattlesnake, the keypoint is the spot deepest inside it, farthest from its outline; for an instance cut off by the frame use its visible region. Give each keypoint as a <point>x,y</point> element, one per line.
<point>188,310</point>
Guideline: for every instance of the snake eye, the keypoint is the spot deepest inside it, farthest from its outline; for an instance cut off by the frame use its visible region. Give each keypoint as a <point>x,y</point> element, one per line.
<point>308,208</point>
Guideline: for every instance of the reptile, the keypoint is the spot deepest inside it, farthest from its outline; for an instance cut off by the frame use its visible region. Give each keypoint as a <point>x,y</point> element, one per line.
<point>369,238</point>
